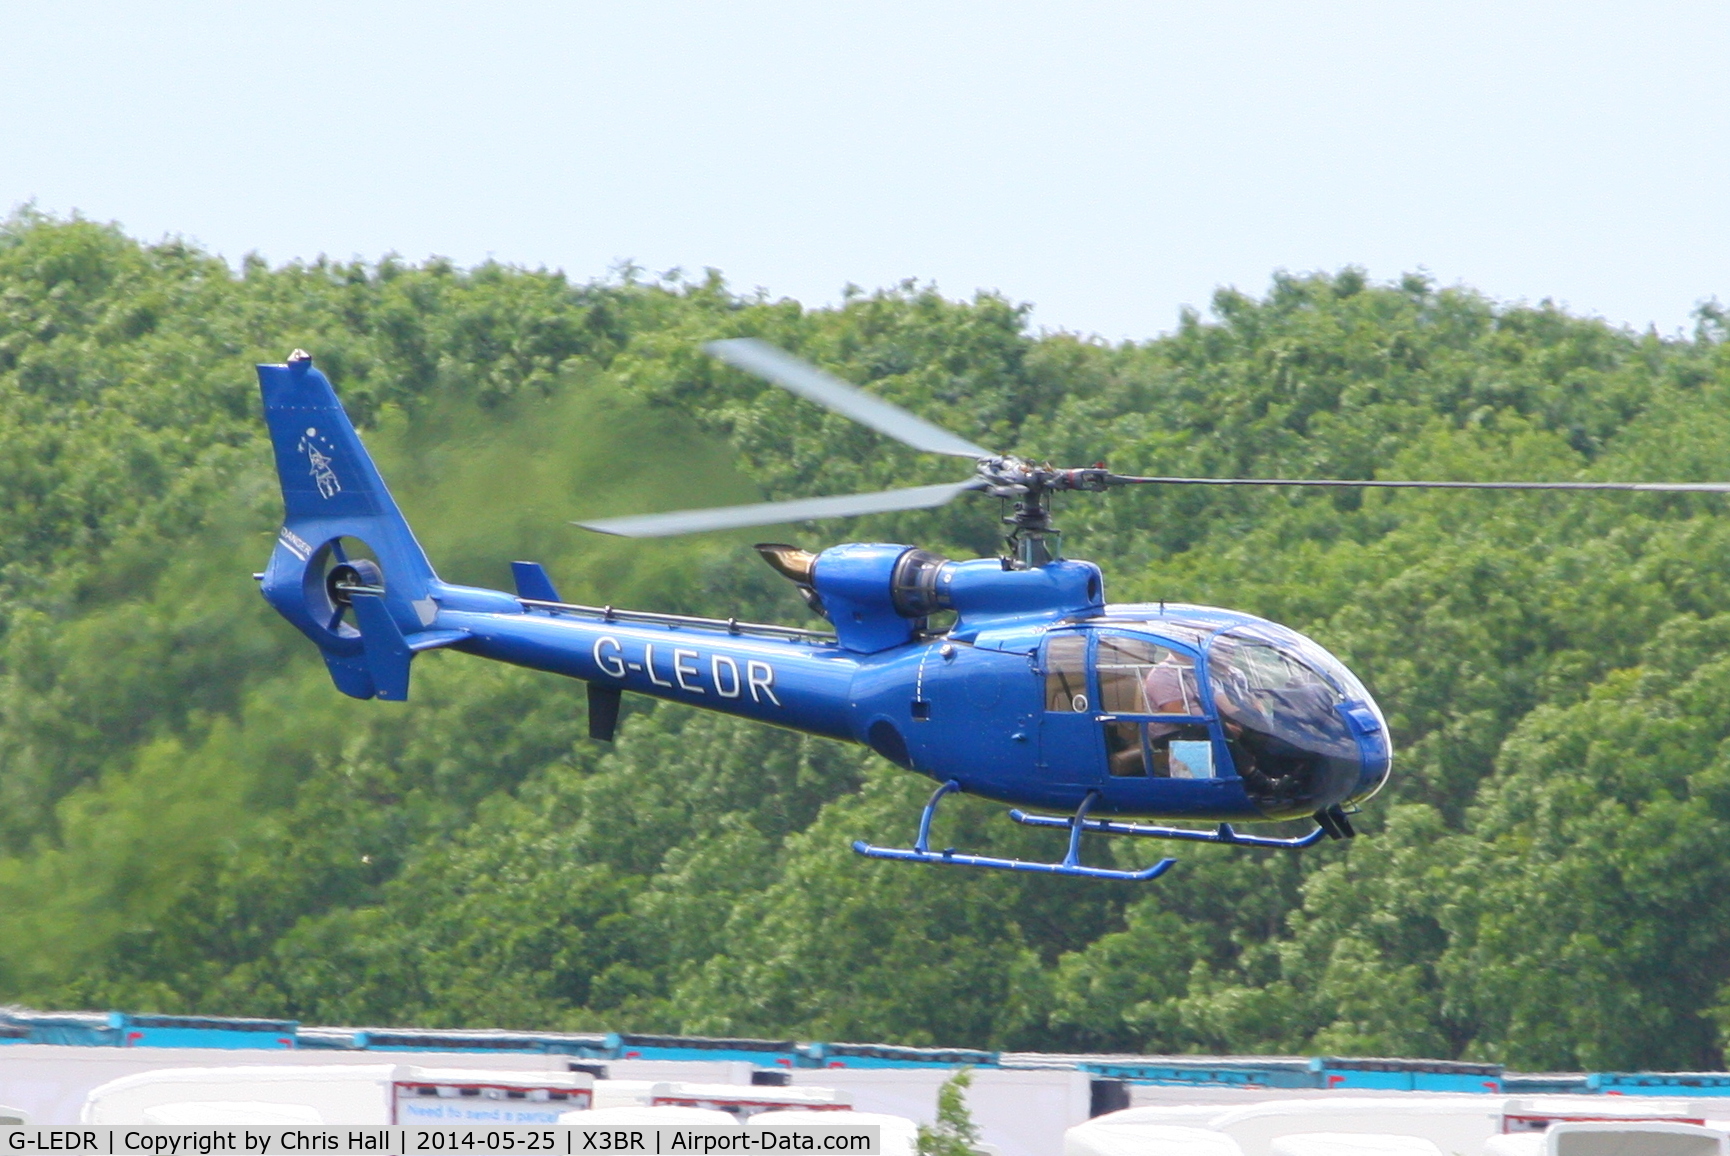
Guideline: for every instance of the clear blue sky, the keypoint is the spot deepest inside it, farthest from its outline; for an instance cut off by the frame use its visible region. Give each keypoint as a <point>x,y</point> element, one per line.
<point>1109,162</point>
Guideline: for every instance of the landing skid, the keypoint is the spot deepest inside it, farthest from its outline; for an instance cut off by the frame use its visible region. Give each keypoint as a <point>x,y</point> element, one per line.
<point>921,851</point>
<point>1330,824</point>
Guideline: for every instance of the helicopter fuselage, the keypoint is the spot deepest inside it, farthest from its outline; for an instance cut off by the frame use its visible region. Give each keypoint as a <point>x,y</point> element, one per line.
<point>980,715</point>
<point>1038,693</point>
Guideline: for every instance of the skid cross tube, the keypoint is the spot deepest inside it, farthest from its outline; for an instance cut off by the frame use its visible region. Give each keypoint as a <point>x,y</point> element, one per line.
<point>921,851</point>
<point>1225,833</point>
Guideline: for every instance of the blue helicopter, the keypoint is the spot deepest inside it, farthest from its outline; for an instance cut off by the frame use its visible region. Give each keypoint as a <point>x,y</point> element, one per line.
<point>1041,694</point>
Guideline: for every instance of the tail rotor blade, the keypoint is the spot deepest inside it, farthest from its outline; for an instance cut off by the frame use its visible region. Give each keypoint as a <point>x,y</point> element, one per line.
<point>806,380</point>
<point>775,513</point>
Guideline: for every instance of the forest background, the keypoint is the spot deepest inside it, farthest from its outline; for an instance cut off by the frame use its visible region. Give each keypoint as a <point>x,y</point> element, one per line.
<point>193,820</point>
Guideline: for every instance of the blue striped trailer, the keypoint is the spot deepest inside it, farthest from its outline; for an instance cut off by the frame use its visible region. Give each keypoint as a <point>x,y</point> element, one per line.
<point>124,1030</point>
<point>761,1053</point>
<point>893,1056</point>
<point>1406,1075</point>
<point>1690,1084</point>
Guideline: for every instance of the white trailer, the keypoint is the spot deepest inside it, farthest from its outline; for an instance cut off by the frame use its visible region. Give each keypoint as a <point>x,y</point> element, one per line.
<point>1613,1138</point>
<point>339,1094</point>
<point>1416,1123</point>
<point>1020,1112</point>
<point>1353,1144</point>
<point>662,1115</point>
<point>1102,1137</point>
<point>741,1101</point>
<point>233,1113</point>
<point>50,1082</point>
<point>1453,1122</point>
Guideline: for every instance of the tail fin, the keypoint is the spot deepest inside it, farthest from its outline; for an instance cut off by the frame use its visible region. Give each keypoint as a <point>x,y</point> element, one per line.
<point>337,511</point>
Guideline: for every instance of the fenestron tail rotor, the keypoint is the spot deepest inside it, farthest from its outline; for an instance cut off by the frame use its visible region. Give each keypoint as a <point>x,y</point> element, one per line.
<point>1027,484</point>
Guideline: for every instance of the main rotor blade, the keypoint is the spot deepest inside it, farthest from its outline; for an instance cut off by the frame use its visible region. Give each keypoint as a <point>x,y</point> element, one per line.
<point>1346,483</point>
<point>806,380</point>
<point>775,513</point>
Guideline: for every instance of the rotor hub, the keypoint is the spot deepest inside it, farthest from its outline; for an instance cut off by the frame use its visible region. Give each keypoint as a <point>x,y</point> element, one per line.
<point>355,576</point>
<point>1009,476</point>
<point>1032,540</point>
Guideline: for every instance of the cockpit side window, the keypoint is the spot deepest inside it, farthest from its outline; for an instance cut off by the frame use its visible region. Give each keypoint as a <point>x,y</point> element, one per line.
<point>1141,677</point>
<point>1066,673</point>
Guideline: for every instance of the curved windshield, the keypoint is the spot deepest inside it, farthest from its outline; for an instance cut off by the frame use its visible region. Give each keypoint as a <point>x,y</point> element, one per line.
<point>1282,722</point>
<point>1306,650</point>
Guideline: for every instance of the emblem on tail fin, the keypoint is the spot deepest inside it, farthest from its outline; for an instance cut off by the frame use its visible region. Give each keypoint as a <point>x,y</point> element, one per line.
<point>322,475</point>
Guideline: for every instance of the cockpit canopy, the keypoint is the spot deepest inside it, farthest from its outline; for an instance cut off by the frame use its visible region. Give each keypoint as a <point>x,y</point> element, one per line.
<point>1300,729</point>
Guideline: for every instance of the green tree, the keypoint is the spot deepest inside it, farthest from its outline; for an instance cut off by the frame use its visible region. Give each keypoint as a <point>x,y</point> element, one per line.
<point>954,1133</point>
<point>191,819</point>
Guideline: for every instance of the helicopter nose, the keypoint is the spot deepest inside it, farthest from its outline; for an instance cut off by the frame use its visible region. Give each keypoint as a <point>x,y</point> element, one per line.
<point>1374,746</point>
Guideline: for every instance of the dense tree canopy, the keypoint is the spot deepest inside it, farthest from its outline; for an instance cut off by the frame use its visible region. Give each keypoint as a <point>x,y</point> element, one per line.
<point>192,819</point>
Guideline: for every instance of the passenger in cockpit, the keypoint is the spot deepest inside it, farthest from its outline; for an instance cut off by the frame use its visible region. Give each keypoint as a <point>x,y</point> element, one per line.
<point>1170,686</point>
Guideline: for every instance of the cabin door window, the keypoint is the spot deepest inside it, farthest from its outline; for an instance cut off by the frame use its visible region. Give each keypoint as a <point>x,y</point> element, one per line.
<point>1069,750</point>
<point>1137,676</point>
<point>1165,735</point>
<point>1066,674</point>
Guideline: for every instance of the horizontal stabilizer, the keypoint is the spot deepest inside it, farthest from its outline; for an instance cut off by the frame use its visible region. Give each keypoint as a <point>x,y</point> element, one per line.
<point>435,639</point>
<point>533,583</point>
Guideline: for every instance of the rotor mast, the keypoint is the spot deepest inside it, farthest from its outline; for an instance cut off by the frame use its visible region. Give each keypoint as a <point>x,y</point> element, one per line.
<point>1032,540</point>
